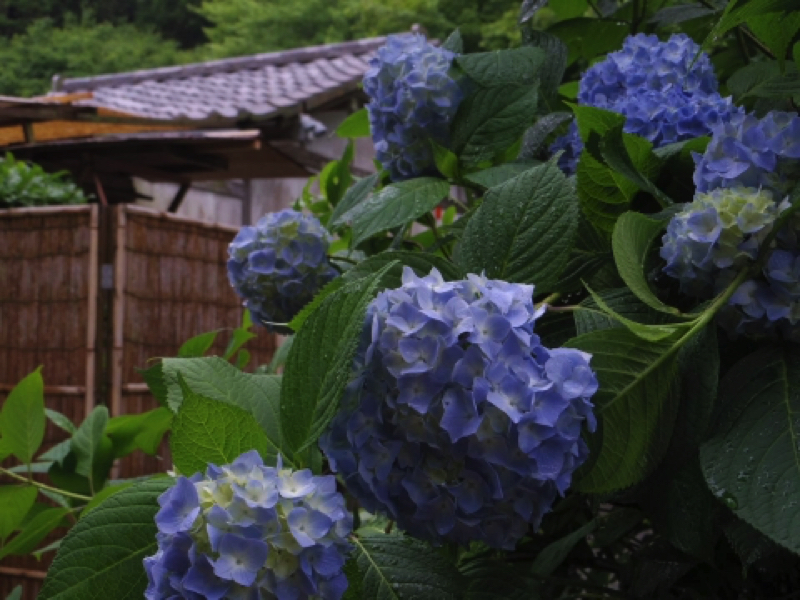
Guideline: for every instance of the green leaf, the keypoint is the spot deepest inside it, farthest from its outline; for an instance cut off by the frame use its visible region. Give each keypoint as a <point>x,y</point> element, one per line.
<point>446,161</point>
<point>57,453</point>
<point>5,450</point>
<point>604,193</point>
<point>16,594</point>
<point>336,178</point>
<point>454,43</point>
<point>16,501</point>
<point>777,31</point>
<point>515,67</point>
<point>635,404</point>
<point>650,332</point>
<point>551,557</point>
<point>740,11</point>
<point>796,55</point>
<point>52,547</point>
<point>633,237</point>
<point>353,197</point>
<point>318,367</point>
<point>524,229</point>
<point>529,9</point>
<point>748,543</point>
<point>395,205</point>
<point>101,557</point>
<point>355,125</point>
<point>22,419</point>
<point>699,363</point>
<point>106,492</point>
<point>34,532</point>
<point>492,119</point>
<point>142,432</point>
<point>494,176</point>
<point>280,356</point>
<point>552,72</point>
<point>421,263</point>
<point>198,345</point>
<point>297,323</point>
<point>241,335</point>
<point>395,567</point>
<point>672,15</point>
<point>615,525</point>
<point>86,441</point>
<point>615,154</point>
<point>535,136</point>
<point>765,80</point>
<point>217,379</point>
<point>154,378</point>
<point>590,317</point>
<point>492,579</point>
<point>752,463</point>
<point>60,421</point>
<point>682,510</point>
<point>208,431</point>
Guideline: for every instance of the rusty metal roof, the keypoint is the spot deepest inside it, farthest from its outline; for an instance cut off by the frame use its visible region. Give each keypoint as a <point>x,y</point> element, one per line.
<point>234,90</point>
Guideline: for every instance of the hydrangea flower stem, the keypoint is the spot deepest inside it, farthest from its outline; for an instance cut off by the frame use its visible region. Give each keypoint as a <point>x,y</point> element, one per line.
<point>43,486</point>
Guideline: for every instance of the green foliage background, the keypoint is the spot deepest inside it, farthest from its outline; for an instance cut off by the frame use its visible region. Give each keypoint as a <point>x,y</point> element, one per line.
<point>73,38</point>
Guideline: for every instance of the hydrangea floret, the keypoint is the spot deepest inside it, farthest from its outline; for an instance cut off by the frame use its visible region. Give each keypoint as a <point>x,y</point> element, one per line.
<point>717,233</point>
<point>250,531</point>
<point>279,265</point>
<point>413,99</point>
<point>746,151</point>
<point>460,425</point>
<point>664,97</point>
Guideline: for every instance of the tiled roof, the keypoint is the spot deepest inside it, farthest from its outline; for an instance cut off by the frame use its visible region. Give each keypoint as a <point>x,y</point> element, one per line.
<point>237,89</point>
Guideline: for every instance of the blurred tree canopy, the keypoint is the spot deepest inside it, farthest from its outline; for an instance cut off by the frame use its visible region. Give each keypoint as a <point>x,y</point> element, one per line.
<point>41,38</point>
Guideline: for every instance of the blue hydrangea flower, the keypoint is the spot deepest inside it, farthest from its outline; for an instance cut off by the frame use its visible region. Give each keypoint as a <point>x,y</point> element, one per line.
<point>252,532</point>
<point>717,232</point>
<point>746,151</point>
<point>651,84</point>
<point>413,99</point>
<point>279,265</point>
<point>646,64</point>
<point>459,424</point>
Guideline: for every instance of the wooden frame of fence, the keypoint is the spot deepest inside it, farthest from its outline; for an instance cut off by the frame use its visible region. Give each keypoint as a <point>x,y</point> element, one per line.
<point>92,293</point>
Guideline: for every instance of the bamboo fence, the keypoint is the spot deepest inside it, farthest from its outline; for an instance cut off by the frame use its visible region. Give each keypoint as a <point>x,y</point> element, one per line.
<point>92,293</point>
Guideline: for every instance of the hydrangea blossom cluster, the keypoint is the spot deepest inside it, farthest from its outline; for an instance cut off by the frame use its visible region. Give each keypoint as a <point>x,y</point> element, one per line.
<point>461,426</point>
<point>413,99</point>
<point>716,234</point>
<point>279,265</point>
<point>752,152</point>
<point>663,97</point>
<point>247,531</point>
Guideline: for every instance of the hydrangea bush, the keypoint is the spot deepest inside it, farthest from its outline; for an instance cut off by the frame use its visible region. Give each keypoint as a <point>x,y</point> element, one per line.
<point>499,381</point>
<point>461,426</point>
<point>247,530</point>
<point>666,92</point>
<point>279,265</point>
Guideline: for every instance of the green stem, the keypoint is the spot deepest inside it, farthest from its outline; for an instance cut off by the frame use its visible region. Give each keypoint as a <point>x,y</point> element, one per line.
<point>43,486</point>
<point>344,259</point>
<point>438,238</point>
<point>549,300</point>
<point>563,309</point>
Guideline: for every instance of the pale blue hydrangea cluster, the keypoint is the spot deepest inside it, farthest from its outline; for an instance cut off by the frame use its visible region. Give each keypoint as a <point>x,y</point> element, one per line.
<point>746,151</point>
<point>717,233</point>
<point>460,425</point>
<point>742,183</point>
<point>413,99</point>
<point>250,532</point>
<point>279,265</point>
<point>663,97</point>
